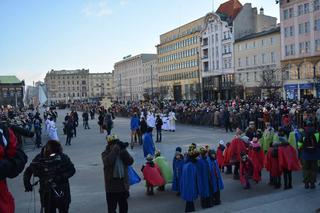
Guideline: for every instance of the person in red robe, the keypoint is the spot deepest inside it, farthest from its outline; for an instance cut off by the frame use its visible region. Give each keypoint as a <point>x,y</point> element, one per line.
<point>220,158</point>
<point>238,145</point>
<point>256,154</point>
<point>246,170</point>
<point>288,161</point>
<point>226,159</point>
<point>272,165</point>
<point>152,175</point>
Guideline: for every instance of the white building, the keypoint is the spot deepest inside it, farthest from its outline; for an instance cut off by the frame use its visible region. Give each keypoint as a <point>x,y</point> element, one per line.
<point>216,57</point>
<point>132,76</point>
<point>101,85</point>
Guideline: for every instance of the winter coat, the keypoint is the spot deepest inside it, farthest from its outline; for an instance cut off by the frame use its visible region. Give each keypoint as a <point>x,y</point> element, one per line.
<point>109,158</point>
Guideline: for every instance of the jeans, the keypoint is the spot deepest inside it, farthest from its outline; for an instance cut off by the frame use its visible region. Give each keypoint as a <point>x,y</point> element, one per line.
<point>310,168</point>
<point>159,135</point>
<point>114,199</point>
<point>86,125</point>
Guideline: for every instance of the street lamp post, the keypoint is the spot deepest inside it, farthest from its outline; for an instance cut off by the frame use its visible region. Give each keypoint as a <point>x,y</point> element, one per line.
<point>200,76</point>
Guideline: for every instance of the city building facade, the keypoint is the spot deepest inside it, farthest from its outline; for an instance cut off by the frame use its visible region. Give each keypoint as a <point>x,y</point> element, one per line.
<point>133,76</point>
<point>178,62</point>
<point>101,85</point>
<point>300,47</point>
<point>36,95</point>
<point>11,90</point>
<point>67,85</point>
<point>257,64</point>
<point>217,58</point>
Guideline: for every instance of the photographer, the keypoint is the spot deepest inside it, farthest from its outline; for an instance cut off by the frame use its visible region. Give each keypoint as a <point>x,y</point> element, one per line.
<point>116,160</point>
<point>53,168</point>
<point>12,162</point>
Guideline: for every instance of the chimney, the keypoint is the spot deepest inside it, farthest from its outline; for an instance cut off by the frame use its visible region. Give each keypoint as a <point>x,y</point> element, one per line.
<point>261,11</point>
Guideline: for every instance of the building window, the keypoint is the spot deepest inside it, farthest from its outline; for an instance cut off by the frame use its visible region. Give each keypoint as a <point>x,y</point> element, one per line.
<point>255,60</point>
<point>301,47</point>
<point>285,14</point>
<point>317,45</point>
<point>291,31</point>
<point>239,62</point>
<point>271,40</point>
<point>247,76</point>
<point>317,25</point>
<point>306,8</point>
<point>255,76</point>
<point>301,28</point>
<point>307,44</point>
<point>292,52</point>
<point>247,61</point>
<point>316,5</point>
<point>291,13</point>
<point>307,27</point>
<point>300,10</point>
<point>263,58</point>
<point>254,44</point>
<point>272,57</point>
<point>262,42</point>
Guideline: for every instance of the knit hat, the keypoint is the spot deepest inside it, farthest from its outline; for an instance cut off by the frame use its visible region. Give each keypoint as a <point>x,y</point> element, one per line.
<point>245,139</point>
<point>178,149</point>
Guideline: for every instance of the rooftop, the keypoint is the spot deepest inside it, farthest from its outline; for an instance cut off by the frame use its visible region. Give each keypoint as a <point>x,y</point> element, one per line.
<point>230,8</point>
<point>69,72</point>
<point>259,34</point>
<point>9,79</point>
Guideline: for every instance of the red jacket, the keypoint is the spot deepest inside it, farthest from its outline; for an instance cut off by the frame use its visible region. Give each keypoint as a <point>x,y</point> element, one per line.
<point>272,162</point>
<point>220,157</point>
<point>152,175</point>
<point>246,170</point>
<point>288,158</point>
<point>237,146</point>
<point>6,199</point>
<point>257,157</point>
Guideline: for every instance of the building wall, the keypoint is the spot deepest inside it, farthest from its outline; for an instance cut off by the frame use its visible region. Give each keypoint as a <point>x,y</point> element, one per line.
<point>300,47</point>
<point>150,78</point>
<point>11,94</point>
<point>130,77</point>
<point>67,85</point>
<point>178,57</point>
<point>101,85</point>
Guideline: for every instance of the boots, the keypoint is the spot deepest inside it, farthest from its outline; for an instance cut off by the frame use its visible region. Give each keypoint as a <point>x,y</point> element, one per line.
<point>189,206</point>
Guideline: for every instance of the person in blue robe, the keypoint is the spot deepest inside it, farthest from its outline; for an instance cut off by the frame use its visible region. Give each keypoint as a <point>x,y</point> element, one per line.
<point>177,166</point>
<point>148,145</point>
<point>203,179</point>
<point>188,184</point>
<point>216,179</point>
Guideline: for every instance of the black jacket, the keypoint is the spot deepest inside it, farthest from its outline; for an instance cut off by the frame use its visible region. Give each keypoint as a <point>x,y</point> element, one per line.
<point>51,171</point>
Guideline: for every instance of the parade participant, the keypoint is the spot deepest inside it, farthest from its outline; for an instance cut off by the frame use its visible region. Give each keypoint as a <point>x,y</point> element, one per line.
<point>152,175</point>
<point>238,145</point>
<point>116,160</point>
<point>165,121</point>
<point>226,159</point>
<point>246,170</point>
<point>151,121</point>
<point>256,155</point>
<point>69,130</point>
<point>166,171</point>
<point>53,133</point>
<point>143,129</point>
<point>203,179</point>
<point>53,168</point>
<point>107,124</point>
<point>226,118</point>
<point>100,120</point>
<point>75,116</point>
<point>134,126</point>
<point>37,131</point>
<point>172,121</point>
<point>189,186</point>
<point>148,145</point>
<point>159,124</point>
<point>310,154</point>
<point>215,178</point>
<point>272,165</point>
<point>267,137</point>
<point>177,166</point>
<point>288,161</point>
<point>92,112</point>
<point>12,162</point>
<point>220,158</point>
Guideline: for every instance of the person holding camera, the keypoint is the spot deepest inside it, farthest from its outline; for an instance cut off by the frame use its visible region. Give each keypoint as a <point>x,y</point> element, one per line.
<point>116,160</point>
<point>53,168</point>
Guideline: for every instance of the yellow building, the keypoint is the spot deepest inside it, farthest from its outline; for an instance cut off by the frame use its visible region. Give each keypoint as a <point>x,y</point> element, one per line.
<point>178,59</point>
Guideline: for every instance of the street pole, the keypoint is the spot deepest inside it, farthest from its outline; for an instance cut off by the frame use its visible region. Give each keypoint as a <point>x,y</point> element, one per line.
<point>120,90</point>
<point>130,89</point>
<point>16,98</point>
<point>199,73</point>
<point>151,83</point>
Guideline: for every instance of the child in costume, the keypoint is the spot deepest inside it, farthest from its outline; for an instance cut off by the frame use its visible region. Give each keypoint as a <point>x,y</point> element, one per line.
<point>152,175</point>
<point>148,145</point>
<point>166,171</point>
<point>177,166</point>
<point>203,179</point>
<point>226,159</point>
<point>216,181</point>
<point>188,184</point>
<point>220,159</point>
<point>272,165</point>
<point>256,154</point>
<point>246,170</point>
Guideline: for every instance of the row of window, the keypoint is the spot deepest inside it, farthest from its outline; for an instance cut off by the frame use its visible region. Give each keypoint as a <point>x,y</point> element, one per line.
<point>179,55</point>
<point>66,77</point>
<point>179,76</point>
<point>304,47</point>
<point>254,59</point>
<point>71,82</point>
<point>301,10</point>
<point>253,45</point>
<point>177,45</point>
<point>177,66</point>
<point>12,93</point>
<point>305,71</point>
<point>247,78</point>
<point>227,63</point>
<point>70,95</point>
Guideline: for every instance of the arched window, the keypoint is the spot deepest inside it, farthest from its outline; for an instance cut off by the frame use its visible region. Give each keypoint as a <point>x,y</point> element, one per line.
<point>306,71</point>
<point>293,72</point>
